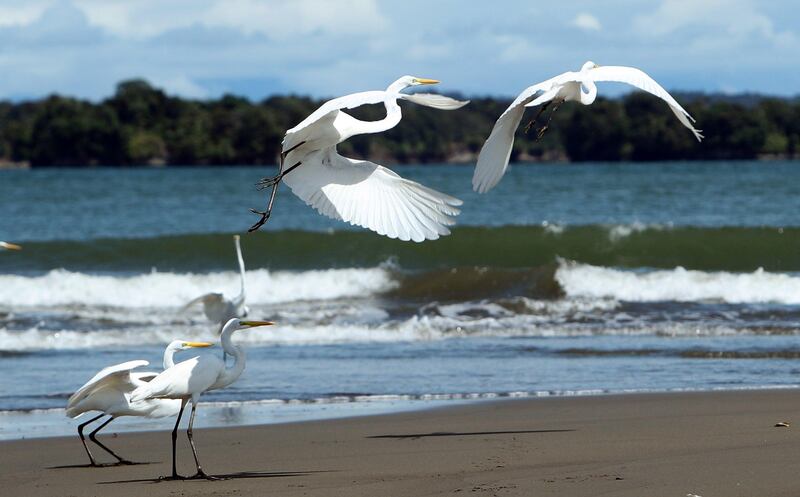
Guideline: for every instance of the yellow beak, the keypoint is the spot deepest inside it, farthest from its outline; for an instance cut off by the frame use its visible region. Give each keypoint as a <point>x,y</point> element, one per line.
<point>425,81</point>
<point>10,246</point>
<point>253,324</point>
<point>197,344</point>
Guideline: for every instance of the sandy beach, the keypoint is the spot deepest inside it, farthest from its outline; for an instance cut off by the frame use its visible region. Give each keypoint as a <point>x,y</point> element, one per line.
<point>708,444</point>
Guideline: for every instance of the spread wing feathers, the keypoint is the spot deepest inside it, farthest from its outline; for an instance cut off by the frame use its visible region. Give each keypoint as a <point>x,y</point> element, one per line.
<point>433,100</point>
<point>371,196</point>
<point>328,111</point>
<point>187,378</point>
<point>641,80</point>
<point>208,297</point>
<point>117,376</point>
<point>493,158</point>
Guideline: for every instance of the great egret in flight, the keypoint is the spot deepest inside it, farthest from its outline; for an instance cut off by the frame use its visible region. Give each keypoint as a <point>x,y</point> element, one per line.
<point>189,379</point>
<point>219,309</point>
<point>361,192</point>
<point>109,391</point>
<point>569,86</point>
<point>10,246</point>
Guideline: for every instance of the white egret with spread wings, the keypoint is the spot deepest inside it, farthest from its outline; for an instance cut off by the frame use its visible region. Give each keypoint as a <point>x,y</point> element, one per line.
<point>361,192</point>
<point>109,392</point>
<point>570,86</point>
<point>218,308</point>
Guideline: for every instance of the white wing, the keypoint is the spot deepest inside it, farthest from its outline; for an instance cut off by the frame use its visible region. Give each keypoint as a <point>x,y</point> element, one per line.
<point>118,376</point>
<point>493,158</point>
<point>371,196</point>
<point>187,378</point>
<point>433,100</point>
<point>329,110</point>
<point>641,80</point>
<point>208,298</point>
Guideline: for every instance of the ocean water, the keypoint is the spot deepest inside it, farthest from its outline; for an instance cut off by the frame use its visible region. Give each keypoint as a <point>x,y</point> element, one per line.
<point>564,280</point>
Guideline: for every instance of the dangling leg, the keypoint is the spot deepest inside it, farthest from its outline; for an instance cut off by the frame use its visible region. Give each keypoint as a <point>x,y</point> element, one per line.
<point>200,473</point>
<point>175,475</point>
<point>95,440</point>
<point>83,440</point>
<point>533,121</point>
<point>273,182</point>
<point>550,118</point>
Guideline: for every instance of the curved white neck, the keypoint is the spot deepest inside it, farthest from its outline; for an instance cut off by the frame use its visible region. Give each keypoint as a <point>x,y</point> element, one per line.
<point>240,299</point>
<point>229,375</point>
<point>169,354</point>
<point>587,90</point>
<point>393,116</point>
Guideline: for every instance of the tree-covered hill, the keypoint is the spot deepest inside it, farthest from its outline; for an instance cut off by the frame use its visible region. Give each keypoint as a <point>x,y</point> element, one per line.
<point>142,125</point>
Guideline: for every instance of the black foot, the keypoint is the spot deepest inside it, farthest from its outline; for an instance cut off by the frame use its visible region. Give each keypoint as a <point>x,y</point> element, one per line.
<point>201,475</point>
<point>540,134</point>
<point>125,462</point>
<point>268,182</point>
<point>174,477</point>
<point>264,218</point>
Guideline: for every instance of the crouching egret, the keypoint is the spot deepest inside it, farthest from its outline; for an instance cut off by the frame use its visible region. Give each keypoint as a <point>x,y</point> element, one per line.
<point>10,246</point>
<point>188,380</point>
<point>569,86</point>
<point>109,392</point>
<point>361,192</point>
<point>219,309</point>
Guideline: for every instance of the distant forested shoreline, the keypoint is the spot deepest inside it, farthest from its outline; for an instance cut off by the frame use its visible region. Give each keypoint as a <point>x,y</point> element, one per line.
<point>141,125</point>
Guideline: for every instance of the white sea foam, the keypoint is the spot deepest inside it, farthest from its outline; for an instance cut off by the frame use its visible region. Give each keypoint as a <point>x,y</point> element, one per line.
<point>679,284</point>
<point>156,289</point>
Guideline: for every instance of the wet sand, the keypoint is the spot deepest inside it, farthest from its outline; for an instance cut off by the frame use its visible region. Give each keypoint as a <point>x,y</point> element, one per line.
<point>709,444</point>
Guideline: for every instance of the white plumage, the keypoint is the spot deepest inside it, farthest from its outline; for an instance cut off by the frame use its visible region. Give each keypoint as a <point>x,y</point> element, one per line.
<point>570,86</point>
<point>217,308</point>
<point>109,392</point>
<point>359,192</point>
<point>188,380</point>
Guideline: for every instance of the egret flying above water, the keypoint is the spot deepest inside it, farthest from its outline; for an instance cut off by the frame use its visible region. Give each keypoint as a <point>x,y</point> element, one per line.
<point>361,192</point>
<point>10,246</point>
<point>219,309</point>
<point>109,392</point>
<point>188,380</point>
<point>570,86</point>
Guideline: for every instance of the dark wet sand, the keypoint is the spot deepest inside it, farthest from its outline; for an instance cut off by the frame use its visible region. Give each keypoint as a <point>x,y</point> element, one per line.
<point>710,444</point>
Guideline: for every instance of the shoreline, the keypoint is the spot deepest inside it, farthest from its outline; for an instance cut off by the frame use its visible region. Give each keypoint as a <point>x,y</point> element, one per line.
<point>703,443</point>
<point>220,415</point>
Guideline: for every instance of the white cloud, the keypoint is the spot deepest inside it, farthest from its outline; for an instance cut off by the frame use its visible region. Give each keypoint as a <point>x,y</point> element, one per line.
<point>729,21</point>
<point>586,22</point>
<point>201,48</point>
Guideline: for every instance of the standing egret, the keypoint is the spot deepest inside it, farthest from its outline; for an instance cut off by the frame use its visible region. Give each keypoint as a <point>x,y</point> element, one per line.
<point>10,246</point>
<point>361,192</point>
<point>109,392</point>
<point>188,380</point>
<point>219,309</point>
<point>570,86</point>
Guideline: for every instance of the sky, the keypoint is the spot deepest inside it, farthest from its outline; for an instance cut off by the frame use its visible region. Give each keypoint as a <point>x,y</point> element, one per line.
<point>257,48</point>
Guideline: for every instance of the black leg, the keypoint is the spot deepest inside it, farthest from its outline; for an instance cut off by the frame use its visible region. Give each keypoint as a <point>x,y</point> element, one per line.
<point>273,182</point>
<point>83,440</point>
<point>175,474</point>
<point>550,118</point>
<point>533,121</point>
<point>93,438</point>
<point>200,473</point>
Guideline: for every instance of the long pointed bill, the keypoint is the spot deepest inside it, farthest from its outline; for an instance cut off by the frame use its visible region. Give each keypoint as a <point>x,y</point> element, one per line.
<point>426,81</point>
<point>198,344</point>
<point>10,246</point>
<point>253,324</point>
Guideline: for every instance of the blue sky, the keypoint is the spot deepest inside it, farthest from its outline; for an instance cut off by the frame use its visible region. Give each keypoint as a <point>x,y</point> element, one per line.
<point>203,48</point>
